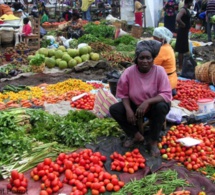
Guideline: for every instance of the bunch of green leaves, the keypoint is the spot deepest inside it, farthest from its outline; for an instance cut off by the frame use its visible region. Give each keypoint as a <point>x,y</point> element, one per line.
<point>42,125</point>
<point>72,134</point>
<point>149,30</point>
<point>108,41</point>
<point>73,43</point>
<point>100,30</point>
<point>6,69</point>
<point>82,116</point>
<point>126,39</point>
<point>52,32</point>
<point>125,47</point>
<point>45,43</point>
<point>103,127</point>
<point>37,60</point>
<point>13,137</point>
<point>200,37</point>
<point>87,38</point>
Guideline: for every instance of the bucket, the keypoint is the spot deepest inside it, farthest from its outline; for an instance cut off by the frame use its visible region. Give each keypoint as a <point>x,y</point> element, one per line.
<point>206,105</point>
<point>113,84</point>
<point>8,57</point>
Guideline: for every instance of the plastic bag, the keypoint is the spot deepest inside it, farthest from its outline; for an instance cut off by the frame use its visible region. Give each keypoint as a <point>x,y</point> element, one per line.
<point>111,18</point>
<point>174,115</point>
<point>188,68</point>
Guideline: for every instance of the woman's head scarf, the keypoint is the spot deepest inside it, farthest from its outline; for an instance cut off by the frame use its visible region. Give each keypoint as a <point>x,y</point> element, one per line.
<point>163,33</point>
<point>151,46</point>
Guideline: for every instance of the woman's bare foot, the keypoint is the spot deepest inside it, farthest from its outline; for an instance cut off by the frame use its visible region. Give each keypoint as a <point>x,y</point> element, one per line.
<point>137,138</point>
<point>153,149</point>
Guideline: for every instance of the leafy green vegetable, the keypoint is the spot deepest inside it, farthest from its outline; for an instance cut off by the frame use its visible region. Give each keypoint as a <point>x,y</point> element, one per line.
<point>37,60</point>
<point>126,39</point>
<point>124,47</point>
<point>87,38</point>
<point>100,30</point>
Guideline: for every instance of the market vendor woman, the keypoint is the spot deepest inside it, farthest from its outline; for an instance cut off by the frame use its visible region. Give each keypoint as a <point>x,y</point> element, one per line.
<point>145,91</point>
<point>75,26</point>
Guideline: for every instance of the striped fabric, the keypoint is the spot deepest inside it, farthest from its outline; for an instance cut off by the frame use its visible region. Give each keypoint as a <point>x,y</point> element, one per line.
<point>210,7</point>
<point>103,101</point>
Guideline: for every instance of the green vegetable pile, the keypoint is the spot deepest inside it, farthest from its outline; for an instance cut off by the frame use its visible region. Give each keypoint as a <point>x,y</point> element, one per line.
<point>37,60</point>
<point>167,180</point>
<point>100,30</point>
<point>73,130</point>
<point>15,88</point>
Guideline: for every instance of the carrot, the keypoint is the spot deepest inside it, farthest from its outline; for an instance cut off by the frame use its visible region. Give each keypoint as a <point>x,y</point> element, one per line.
<point>204,172</point>
<point>14,105</point>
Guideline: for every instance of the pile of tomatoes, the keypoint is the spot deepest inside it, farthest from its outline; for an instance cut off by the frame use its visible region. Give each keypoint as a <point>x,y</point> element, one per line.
<point>83,171</point>
<point>18,182</point>
<point>86,102</point>
<point>190,91</point>
<point>193,157</point>
<point>129,162</point>
<point>96,85</point>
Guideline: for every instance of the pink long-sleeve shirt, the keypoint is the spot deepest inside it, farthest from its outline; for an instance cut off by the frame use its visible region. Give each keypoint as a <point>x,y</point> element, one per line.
<point>139,87</point>
<point>26,30</point>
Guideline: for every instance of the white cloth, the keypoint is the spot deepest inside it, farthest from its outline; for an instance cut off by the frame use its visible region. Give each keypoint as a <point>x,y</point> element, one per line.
<point>163,33</point>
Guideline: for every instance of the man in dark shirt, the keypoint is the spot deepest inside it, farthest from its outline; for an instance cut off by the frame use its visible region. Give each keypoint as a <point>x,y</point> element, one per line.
<point>17,6</point>
<point>67,15</point>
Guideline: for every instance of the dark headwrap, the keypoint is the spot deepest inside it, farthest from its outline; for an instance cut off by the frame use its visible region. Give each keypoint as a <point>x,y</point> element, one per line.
<point>151,46</point>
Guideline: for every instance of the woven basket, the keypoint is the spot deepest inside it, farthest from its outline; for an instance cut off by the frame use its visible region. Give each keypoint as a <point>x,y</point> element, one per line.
<point>212,72</point>
<point>205,72</point>
<point>201,72</point>
<point>7,36</point>
<point>38,69</point>
<point>136,31</point>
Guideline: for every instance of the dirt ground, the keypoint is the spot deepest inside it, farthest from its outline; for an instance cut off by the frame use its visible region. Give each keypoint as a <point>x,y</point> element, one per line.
<point>206,53</point>
<point>54,78</point>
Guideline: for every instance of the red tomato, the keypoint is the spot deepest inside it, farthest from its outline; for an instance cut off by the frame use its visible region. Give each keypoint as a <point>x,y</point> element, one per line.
<point>14,174</point>
<point>21,190</point>
<point>47,161</point>
<point>109,187</point>
<point>43,192</point>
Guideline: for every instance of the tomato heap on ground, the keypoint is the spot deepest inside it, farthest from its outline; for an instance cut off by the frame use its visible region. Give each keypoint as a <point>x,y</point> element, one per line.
<point>86,102</point>
<point>130,162</point>
<point>18,182</point>
<point>83,171</point>
<point>190,91</point>
<point>194,157</point>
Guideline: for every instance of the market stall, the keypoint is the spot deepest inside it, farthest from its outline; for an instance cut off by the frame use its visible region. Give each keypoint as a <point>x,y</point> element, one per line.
<point>65,140</point>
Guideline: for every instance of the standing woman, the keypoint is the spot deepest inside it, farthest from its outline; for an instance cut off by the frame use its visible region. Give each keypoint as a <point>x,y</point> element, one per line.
<point>138,12</point>
<point>182,41</point>
<point>210,11</point>
<point>170,11</point>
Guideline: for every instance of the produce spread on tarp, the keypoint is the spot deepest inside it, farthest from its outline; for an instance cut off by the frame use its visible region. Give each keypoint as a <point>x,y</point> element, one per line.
<point>59,138</point>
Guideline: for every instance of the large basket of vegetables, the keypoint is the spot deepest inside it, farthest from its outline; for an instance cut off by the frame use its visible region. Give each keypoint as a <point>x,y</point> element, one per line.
<point>37,63</point>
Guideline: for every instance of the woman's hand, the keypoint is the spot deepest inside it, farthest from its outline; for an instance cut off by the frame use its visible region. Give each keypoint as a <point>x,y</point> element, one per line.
<point>131,117</point>
<point>141,110</point>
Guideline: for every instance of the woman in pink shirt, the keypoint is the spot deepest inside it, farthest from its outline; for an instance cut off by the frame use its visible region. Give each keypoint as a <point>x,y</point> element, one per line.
<point>145,91</point>
<point>26,29</point>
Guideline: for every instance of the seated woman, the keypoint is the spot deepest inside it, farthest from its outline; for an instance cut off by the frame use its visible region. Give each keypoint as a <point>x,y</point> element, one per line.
<point>75,26</point>
<point>145,91</point>
<point>166,56</point>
